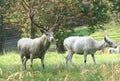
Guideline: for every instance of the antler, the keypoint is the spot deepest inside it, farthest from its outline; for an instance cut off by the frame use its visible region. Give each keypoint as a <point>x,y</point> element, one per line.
<point>57,23</point>
<point>31,16</point>
<point>39,26</point>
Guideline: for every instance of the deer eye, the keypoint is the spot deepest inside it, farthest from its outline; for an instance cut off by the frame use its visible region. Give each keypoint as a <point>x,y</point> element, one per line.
<point>47,34</point>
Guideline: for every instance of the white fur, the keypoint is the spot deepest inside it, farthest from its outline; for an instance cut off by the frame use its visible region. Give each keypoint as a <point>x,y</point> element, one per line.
<point>114,50</point>
<point>85,45</point>
<point>33,48</point>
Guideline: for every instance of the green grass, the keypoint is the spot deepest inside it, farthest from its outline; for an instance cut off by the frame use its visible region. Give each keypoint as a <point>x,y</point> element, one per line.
<point>84,31</point>
<point>113,30</point>
<point>106,69</point>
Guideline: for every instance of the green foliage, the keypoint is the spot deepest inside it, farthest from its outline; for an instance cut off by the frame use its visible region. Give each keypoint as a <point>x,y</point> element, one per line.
<point>81,32</point>
<point>114,8</point>
<point>73,13</point>
<point>86,31</point>
<point>115,5</point>
<point>93,14</point>
<point>96,28</point>
<point>60,35</point>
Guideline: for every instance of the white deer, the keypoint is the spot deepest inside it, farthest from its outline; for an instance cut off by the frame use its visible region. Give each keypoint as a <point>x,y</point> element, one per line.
<point>36,48</point>
<point>85,45</point>
<point>114,50</point>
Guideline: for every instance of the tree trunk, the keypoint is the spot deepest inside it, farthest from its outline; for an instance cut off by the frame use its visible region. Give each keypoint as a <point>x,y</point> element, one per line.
<point>32,31</point>
<point>1,34</point>
<point>60,48</point>
<point>1,48</point>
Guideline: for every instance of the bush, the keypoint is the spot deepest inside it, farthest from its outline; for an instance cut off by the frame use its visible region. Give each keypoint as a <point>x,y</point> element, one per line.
<point>81,32</point>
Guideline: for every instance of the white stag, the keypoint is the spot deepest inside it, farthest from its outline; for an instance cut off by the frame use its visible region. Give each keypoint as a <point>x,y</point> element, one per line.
<point>36,48</point>
<point>85,45</point>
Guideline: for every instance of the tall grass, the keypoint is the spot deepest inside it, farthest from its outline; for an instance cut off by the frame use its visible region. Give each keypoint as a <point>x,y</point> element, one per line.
<point>106,69</point>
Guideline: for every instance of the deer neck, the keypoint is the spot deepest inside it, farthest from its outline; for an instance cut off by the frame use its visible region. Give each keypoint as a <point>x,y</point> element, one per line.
<point>100,45</point>
<point>45,40</point>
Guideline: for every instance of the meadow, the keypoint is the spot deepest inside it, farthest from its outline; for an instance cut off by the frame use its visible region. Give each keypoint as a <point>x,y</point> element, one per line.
<point>106,69</point>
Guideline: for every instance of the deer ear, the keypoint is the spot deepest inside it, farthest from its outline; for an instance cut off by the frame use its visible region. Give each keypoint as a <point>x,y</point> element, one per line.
<point>107,39</point>
<point>42,31</point>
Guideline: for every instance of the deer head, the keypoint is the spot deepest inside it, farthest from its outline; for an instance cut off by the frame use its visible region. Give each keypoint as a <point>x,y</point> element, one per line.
<point>109,42</point>
<point>48,32</point>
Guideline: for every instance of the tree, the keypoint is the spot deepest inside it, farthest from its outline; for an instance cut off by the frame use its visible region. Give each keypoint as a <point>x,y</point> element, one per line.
<point>67,13</point>
<point>49,14</point>
<point>1,34</point>
<point>3,6</point>
<point>115,10</point>
<point>7,18</point>
<point>115,5</point>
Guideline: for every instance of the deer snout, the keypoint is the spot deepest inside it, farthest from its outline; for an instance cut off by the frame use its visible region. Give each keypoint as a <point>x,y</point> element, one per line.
<point>52,39</point>
<point>115,46</point>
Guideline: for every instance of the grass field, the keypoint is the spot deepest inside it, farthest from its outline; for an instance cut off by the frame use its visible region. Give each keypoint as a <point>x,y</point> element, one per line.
<point>113,30</point>
<point>106,69</point>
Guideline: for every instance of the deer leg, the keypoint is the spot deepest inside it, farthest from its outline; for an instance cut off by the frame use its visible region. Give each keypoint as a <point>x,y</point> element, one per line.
<point>68,57</point>
<point>93,58</point>
<point>69,53</point>
<point>85,57</point>
<point>71,58</point>
<point>24,60</point>
<point>42,62</point>
<point>31,60</point>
